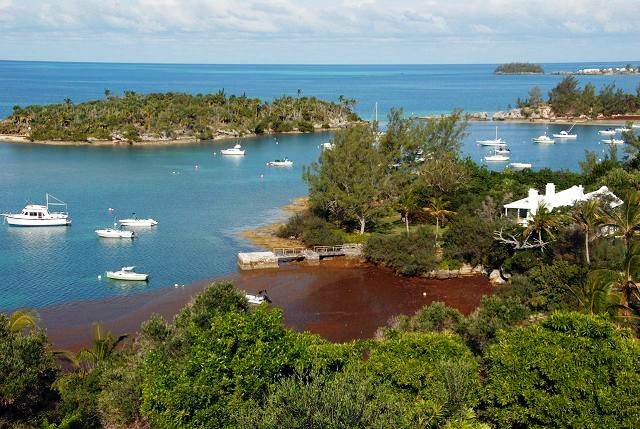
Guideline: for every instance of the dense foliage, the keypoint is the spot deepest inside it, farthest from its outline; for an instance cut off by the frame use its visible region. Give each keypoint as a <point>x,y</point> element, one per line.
<point>567,99</point>
<point>134,117</point>
<point>556,345</point>
<point>519,68</point>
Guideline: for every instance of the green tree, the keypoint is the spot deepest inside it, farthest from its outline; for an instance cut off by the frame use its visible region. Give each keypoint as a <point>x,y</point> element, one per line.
<point>349,181</point>
<point>563,96</point>
<point>436,375</point>
<point>23,319</point>
<point>27,374</point>
<point>438,209</point>
<point>571,370</point>
<point>215,356</point>
<point>544,222</point>
<point>588,216</point>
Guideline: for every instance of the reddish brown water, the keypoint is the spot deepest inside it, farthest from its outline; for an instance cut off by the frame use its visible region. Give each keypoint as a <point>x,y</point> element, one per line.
<point>338,300</point>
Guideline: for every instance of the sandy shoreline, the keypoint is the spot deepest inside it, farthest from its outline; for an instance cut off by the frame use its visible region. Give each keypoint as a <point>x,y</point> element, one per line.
<point>340,300</point>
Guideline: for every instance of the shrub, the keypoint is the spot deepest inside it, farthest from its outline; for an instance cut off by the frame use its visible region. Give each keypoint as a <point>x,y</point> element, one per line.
<point>411,254</point>
<point>305,127</point>
<point>319,232</point>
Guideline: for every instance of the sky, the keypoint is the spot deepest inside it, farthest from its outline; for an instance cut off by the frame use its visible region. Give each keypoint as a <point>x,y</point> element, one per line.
<point>320,31</point>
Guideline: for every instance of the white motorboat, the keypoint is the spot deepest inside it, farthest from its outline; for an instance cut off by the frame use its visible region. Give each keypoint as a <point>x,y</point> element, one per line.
<point>607,132</point>
<point>114,233</point>
<point>520,165</point>
<point>136,221</point>
<point>286,162</point>
<point>565,135</point>
<point>612,141</point>
<point>492,142</point>
<point>544,138</point>
<point>236,150</point>
<point>127,273</point>
<point>40,215</point>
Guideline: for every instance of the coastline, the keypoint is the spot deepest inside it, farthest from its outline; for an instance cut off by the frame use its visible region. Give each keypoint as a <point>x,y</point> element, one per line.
<point>474,117</point>
<point>24,139</point>
<point>340,300</point>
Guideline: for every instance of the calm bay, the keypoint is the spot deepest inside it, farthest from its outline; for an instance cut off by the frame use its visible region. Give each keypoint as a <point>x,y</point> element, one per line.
<point>200,198</point>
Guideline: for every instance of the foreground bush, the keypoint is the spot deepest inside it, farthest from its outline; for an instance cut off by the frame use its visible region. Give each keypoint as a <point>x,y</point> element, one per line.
<point>571,370</point>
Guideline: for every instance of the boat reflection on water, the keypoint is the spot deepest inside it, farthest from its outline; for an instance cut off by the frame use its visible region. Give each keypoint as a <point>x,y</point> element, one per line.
<point>40,237</point>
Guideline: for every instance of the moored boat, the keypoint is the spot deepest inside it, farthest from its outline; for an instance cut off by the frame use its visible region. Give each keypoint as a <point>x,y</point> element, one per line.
<point>286,162</point>
<point>492,142</point>
<point>40,215</point>
<point>520,165</point>
<point>496,156</point>
<point>565,135</point>
<point>236,150</point>
<point>544,138</point>
<point>607,132</point>
<point>114,233</point>
<point>136,221</point>
<point>612,141</point>
<point>127,273</point>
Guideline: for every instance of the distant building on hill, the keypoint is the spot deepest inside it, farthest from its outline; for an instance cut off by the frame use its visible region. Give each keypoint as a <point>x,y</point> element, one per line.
<point>527,207</point>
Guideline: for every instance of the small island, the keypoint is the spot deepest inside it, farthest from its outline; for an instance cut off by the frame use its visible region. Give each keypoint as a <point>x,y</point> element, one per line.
<point>519,68</point>
<point>172,118</point>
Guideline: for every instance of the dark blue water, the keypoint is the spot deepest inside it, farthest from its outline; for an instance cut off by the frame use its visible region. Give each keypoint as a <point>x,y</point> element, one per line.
<point>202,200</point>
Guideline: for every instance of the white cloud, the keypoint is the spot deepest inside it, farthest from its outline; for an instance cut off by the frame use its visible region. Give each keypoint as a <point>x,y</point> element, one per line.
<point>337,27</point>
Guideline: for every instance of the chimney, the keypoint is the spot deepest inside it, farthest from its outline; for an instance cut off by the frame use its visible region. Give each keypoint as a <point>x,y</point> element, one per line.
<point>551,189</point>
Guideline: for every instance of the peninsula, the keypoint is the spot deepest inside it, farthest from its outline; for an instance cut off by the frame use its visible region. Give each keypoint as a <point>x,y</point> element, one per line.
<point>166,118</point>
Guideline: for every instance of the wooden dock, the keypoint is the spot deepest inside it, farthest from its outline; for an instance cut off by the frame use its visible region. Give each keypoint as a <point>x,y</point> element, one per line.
<point>258,260</point>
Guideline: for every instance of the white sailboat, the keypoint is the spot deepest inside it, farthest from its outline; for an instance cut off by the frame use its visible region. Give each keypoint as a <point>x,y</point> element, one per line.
<point>566,134</point>
<point>492,142</point>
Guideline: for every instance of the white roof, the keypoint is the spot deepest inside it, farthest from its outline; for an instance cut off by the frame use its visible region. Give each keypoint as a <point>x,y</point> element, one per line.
<point>568,197</point>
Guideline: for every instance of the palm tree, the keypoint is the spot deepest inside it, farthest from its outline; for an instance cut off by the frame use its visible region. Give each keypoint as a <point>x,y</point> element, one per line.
<point>596,295</point>
<point>21,319</point>
<point>104,343</point>
<point>625,218</point>
<point>438,209</point>
<point>544,221</point>
<point>624,281</point>
<point>588,216</point>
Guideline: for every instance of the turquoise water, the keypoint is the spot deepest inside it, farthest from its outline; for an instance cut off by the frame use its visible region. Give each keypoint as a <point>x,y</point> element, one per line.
<point>201,199</point>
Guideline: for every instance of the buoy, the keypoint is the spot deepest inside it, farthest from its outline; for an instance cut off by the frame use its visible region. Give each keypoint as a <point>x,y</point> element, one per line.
<point>99,277</point>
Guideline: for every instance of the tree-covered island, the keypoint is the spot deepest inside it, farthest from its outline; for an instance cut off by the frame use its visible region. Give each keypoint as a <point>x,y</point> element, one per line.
<point>167,117</point>
<point>519,68</point>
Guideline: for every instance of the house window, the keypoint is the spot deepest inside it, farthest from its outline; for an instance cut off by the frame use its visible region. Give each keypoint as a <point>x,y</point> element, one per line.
<point>522,213</point>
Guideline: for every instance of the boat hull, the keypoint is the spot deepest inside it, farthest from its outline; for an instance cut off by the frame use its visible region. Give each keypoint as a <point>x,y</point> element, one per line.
<point>114,233</point>
<point>565,136</point>
<point>19,220</point>
<point>280,163</point>
<point>137,222</point>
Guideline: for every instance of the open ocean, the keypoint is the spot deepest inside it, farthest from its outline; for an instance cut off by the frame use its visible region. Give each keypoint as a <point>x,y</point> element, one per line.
<point>200,198</point>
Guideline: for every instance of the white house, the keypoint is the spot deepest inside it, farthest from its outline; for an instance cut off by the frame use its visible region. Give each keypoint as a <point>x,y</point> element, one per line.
<point>527,207</point>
